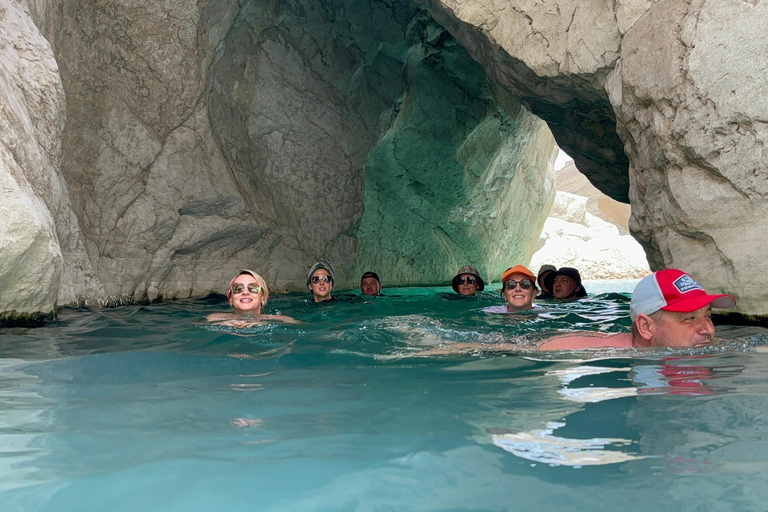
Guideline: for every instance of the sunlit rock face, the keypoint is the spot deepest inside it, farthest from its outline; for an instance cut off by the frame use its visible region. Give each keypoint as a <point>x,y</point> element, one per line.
<point>31,122</point>
<point>588,231</point>
<point>681,82</point>
<point>694,110</point>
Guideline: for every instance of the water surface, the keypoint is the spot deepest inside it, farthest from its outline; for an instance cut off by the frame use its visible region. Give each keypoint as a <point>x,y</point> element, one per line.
<point>145,408</point>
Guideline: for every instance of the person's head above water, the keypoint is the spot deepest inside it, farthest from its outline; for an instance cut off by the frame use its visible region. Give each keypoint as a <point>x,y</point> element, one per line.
<point>668,309</point>
<point>544,271</point>
<point>519,288</point>
<point>247,292</point>
<point>467,281</point>
<point>370,284</point>
<point>320,280</point>
<point>565,284</point>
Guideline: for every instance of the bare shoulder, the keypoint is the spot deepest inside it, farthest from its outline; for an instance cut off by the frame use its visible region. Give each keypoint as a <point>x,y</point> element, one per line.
<point>218,317</point>
<point>581,340</point>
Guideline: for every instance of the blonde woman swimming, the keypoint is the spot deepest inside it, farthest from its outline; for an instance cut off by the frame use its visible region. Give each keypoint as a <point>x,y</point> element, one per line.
<point>248,294</point>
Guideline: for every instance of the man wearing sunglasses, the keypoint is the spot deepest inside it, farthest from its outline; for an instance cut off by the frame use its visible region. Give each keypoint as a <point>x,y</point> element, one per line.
<point>320,281</point>
<point>467,281</point>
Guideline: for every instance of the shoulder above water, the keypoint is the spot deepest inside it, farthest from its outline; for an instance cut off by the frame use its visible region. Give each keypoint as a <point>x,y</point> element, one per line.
<point>587,340</point>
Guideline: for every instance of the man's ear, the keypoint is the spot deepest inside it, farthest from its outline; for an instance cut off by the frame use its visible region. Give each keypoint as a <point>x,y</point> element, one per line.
<point>646,326</point>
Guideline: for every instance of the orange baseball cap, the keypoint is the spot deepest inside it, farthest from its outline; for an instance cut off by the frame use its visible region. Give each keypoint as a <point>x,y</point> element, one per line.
<point>518,269</point>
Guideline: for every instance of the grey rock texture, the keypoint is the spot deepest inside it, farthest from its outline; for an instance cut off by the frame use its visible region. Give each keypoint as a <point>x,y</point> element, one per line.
<point>186,140</point>
<point>31,189</point>
<point>681,82</point>
<point>694,115</point>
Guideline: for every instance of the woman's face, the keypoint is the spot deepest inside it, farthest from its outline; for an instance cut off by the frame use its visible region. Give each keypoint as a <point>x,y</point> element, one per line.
<point>320,284</point>
<point>465,286</point>
<point>518,298</point>
<point>245,300</point>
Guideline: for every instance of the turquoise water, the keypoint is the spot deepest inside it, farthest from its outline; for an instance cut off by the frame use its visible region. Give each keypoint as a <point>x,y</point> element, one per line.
<point>142,408</point>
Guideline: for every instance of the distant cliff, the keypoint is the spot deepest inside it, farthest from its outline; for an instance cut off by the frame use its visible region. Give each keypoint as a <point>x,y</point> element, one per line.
<point>589,231</point>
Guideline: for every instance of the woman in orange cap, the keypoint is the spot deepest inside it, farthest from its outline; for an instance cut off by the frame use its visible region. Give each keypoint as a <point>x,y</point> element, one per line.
<point>519,289</point>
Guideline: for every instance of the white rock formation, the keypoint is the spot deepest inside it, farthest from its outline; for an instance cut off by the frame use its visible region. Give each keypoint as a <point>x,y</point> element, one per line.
<point>684,82</point>
<point>573,237</point>
<point>31,124</point>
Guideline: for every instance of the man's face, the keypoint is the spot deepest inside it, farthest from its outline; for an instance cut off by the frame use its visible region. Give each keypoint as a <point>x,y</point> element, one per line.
<point>465,287</point>
<point>684,330</point>
<point>370,286</point>
<point>563,286</point>
<point>320,285</point>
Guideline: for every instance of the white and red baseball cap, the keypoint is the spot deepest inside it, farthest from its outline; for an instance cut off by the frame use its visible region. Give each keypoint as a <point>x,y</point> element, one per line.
<point>673,290</point>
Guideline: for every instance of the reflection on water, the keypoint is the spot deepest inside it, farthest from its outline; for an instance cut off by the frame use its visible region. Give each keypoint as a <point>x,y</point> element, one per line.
<point>146,408</point>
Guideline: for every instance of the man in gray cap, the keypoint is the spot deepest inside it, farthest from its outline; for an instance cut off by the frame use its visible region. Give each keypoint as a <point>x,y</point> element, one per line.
<point>320,281</point>
<point>467,281</point>
<point>544,271</point>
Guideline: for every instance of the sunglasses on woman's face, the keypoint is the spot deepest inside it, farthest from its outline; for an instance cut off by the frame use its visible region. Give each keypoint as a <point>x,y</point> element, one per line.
<point>239,287</point>
<point>467,280</point>
<point>318,279</point>
<point>511,284</point>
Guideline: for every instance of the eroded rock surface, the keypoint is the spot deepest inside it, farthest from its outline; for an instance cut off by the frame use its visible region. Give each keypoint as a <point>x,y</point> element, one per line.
<point>31,123</point>
<point>694,114</point>
<point>198,138</point>
<point>149,149</point>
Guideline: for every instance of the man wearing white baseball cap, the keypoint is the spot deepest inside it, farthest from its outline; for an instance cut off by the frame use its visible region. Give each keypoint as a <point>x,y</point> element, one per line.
<point>668,309</point>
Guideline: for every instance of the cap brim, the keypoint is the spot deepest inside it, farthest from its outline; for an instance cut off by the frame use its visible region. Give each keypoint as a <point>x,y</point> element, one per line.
<point>699,301</point>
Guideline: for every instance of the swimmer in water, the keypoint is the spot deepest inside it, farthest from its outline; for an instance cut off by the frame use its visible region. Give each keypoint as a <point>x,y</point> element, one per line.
<point>519,289</point>
<point>668,309</point>
<point>248,294</point>
<point>467,281</point>
<point>565,284</point>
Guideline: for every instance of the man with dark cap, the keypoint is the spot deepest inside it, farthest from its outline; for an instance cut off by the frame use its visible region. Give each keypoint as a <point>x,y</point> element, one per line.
<point>467,281</point>
<point>565,284</point>
<point>370,284</point>
<point>320,281</point>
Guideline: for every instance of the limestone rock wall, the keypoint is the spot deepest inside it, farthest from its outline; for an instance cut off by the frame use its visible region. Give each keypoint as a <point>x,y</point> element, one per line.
<point>694,114</point>
<point>149,149</point>
<point>155,148</point>
<point>32,117</point>
<point>681,82</point>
